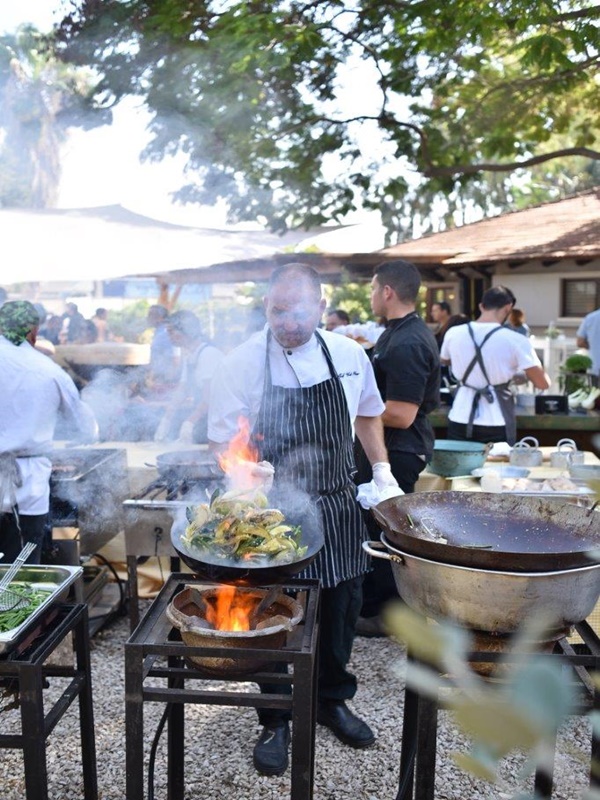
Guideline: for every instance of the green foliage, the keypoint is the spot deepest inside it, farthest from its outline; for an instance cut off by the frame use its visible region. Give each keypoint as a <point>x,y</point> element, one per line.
<point>130,322</point>
<point>522,712</point>
<point>463,94</point>
<point>39,98</point>
<point>577,362</point>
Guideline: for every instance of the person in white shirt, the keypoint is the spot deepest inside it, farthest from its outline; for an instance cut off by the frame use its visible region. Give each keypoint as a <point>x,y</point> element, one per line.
<point>305,392</point>
<point>185,418</point>
<point>588,336</point>
<point>485,356</point>
<point>36,392</point>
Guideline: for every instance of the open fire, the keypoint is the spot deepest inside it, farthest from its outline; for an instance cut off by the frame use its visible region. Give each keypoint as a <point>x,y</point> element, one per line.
<point>231,611</point>
<point>235,617</point>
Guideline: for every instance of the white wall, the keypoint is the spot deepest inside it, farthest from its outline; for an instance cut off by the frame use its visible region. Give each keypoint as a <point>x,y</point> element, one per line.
<point>538,295</point>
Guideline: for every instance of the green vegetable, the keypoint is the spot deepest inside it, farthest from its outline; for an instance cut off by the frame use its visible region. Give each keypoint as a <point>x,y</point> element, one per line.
<point>577,363</point>
<point>233,527</point>
<point>13,617</point>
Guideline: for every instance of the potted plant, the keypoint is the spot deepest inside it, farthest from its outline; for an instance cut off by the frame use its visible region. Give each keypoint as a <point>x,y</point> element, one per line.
<point>574,379</point>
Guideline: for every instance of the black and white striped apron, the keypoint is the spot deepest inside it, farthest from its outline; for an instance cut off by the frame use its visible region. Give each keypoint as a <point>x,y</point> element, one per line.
<point>306,433</point>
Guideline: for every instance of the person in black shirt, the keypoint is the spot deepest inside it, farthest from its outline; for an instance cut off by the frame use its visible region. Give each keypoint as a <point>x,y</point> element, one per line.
<point>407,369</point>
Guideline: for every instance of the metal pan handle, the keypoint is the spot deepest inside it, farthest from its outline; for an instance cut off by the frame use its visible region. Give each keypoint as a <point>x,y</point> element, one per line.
<point>378,550</point>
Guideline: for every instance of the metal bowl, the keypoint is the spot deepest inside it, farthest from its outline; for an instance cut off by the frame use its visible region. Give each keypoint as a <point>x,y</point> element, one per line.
<point>452,458</point>
<point>585,472</point>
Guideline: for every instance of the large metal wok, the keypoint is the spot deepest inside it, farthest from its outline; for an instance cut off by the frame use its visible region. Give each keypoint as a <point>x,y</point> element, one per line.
<point>260,573</point>
<point>492,531</point>
<point>188,465</point>
<point>495,601</point>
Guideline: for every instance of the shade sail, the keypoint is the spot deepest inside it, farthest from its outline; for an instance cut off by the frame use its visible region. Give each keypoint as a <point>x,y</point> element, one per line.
<point>112,242</point>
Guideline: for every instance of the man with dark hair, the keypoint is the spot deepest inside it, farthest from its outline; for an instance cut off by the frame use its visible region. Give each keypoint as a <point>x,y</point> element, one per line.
<point>485,356</point>
<point>186,416</point>
<point>335,318</point>
<point>440,314</point>
<point>407,369</point>
<point>35,391</point>
<point>304,393</point>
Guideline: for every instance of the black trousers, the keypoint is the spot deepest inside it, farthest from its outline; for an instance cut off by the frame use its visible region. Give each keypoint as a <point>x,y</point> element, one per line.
<point>481,433</point>
<point>340,607</point>
<point>379,586</point>
<point>30,528</point>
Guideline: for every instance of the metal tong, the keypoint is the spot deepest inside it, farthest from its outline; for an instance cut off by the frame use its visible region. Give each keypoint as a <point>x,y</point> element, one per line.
<point>9,599</point>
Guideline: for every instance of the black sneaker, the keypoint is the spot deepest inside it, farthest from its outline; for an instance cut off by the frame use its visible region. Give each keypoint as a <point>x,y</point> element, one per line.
<point>271,750</point>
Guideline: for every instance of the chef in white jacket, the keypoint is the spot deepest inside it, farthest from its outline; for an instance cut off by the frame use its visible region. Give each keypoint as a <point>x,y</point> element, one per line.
<point>36,392</point>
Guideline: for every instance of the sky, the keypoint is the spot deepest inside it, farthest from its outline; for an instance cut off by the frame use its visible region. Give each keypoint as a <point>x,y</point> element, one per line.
<point>101,166</point>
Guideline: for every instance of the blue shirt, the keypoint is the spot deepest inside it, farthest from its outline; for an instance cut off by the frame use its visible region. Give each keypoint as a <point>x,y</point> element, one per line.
<point>590,330</point>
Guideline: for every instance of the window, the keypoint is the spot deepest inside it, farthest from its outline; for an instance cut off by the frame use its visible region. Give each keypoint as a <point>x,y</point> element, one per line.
<point>579,297</point>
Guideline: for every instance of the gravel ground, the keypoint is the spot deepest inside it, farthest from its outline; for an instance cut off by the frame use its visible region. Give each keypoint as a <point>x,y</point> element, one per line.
<point>218,760</point>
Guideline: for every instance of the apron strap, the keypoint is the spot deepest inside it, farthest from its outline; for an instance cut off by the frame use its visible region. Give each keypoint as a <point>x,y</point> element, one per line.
<point>486,391</point>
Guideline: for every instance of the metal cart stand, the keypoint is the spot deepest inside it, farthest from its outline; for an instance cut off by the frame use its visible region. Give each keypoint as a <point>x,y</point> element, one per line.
<point>27,665</point>
<point>155,641</point>
<point>419,734</point>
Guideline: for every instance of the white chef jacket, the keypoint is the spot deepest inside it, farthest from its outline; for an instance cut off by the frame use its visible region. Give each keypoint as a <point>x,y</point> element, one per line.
<point>504,354</point>
<point>237,387</point>
<point>34,392</point>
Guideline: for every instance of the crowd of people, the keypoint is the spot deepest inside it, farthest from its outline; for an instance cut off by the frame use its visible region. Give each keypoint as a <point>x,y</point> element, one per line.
<point>330,405</point>
<point>72,327</point>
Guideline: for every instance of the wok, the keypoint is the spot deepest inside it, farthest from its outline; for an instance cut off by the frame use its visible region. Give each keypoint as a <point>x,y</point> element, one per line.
<point>188,465</point>
<point>491,531</point>
<point>496,601</point>
<point>260,573</point>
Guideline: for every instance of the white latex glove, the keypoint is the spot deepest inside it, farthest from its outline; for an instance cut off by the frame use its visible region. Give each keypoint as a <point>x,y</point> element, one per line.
<point>186,433</point>
<point>382,475</point>
<point>263,473</point>
<point>248,475</point>
<point>162,431</point>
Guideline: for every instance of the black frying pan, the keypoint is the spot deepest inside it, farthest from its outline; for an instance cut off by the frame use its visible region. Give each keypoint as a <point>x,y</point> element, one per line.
<point>492,531</point>
<point>261,573</point>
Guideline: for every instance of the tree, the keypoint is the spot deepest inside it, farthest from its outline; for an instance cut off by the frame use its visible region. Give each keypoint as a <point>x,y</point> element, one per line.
<point>39,98</point>
<point>461,93</point>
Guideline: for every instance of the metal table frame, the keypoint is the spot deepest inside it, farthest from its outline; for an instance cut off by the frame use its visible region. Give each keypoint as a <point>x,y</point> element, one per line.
<point>27,665</point>
<point>155,640</point>
<point>419,734</point>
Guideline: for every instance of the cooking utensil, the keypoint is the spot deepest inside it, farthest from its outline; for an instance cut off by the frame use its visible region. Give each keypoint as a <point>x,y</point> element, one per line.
<point>521,534</point>
<point>56,580</point>
<point>8,598</point>
<point>452,459</point>
<point>252,573</point>
<point>526,453</point>
<point>188,465</point>
<point>566,453</point>
<point>585,472</point>
<point>490,600</point>
<point>183,610</point>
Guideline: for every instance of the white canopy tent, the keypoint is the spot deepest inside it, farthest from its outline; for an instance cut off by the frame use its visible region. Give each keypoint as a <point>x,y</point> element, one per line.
<point>112,242</point>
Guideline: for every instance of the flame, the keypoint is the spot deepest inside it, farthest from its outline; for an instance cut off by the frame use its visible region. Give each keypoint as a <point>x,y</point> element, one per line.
<point>232,609</point>
<point>239,449</point>
<point>237,462</point>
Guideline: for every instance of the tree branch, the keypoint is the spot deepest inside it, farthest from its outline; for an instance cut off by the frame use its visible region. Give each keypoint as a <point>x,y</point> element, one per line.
<point>432,171</point>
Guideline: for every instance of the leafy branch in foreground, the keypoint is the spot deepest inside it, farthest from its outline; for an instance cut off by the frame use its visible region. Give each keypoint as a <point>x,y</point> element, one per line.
<point>522,712</point>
